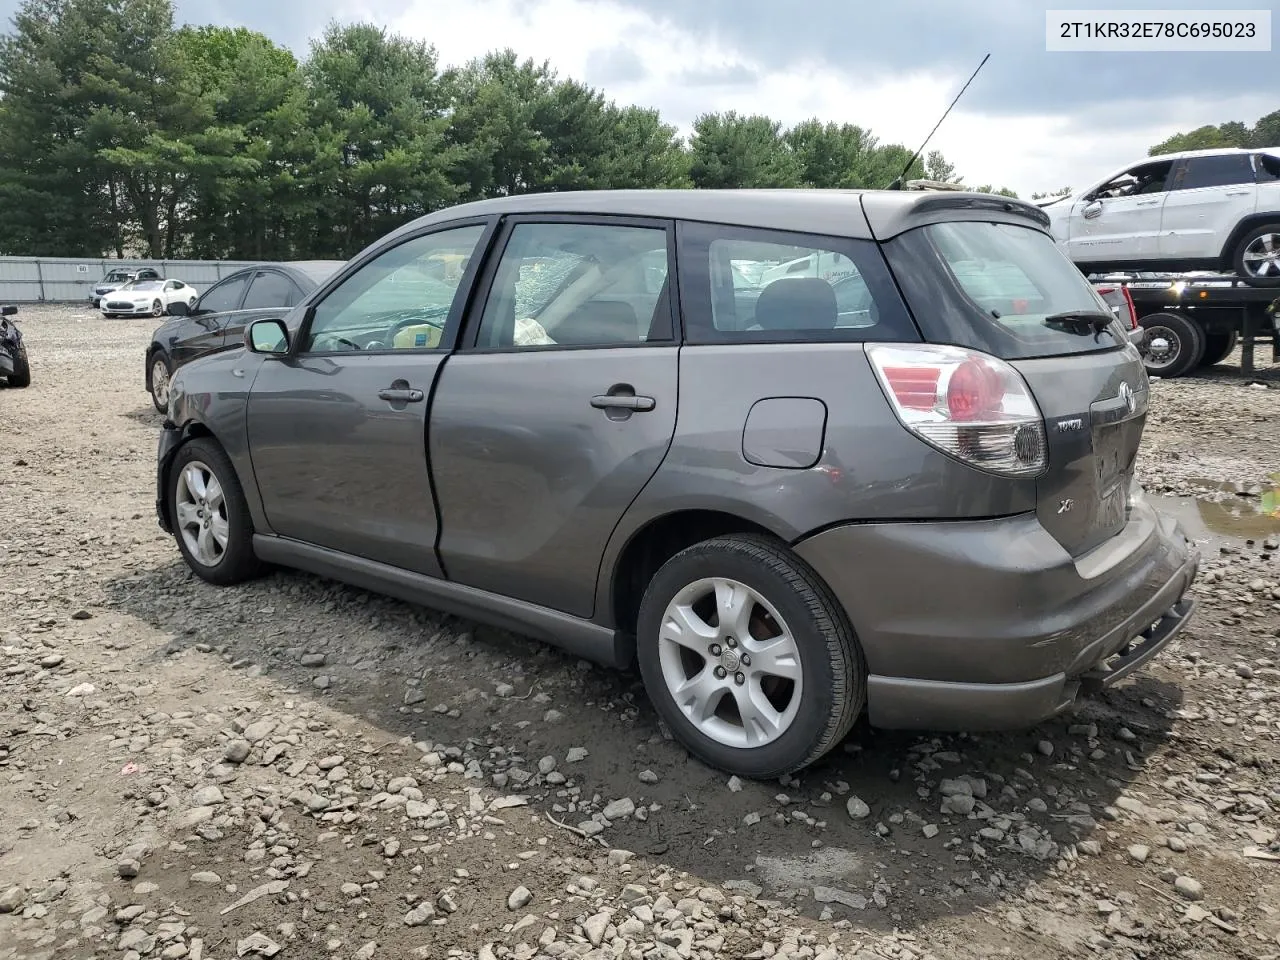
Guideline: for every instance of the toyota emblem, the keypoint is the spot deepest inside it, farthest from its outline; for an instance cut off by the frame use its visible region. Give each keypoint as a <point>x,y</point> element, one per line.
<point>1126,395</point>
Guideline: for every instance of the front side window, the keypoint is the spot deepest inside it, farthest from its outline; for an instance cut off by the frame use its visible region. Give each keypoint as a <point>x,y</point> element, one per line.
<point>223,296</point>
<point>578,285</point>
<point>1001,288</point>
<point>1220,171</point>
<point>1143,179</point>
<point>399,300</point>
<point>747,285</point>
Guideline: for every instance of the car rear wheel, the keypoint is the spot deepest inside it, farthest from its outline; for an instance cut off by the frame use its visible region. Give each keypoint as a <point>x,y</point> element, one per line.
<point>157,308</point>
<point>748,658</point>
<point>159,385</point>
<point>1257,256</point>
<point>210,516</point>
<point>1217,347</point>
<point>1172,344</point>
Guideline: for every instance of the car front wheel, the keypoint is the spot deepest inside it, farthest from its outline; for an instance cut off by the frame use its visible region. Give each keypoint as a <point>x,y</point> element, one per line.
<point>157,308</point>
<point>210,516</point>
<point>748,658</point>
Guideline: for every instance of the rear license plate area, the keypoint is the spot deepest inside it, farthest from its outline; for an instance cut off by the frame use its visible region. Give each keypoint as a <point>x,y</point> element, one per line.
<point>1114,468</point>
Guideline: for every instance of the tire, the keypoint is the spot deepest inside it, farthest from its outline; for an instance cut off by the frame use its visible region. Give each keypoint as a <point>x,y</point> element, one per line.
<point>1262,239</point>
<point>235,561</point>
<point>159,365</point>
<point>1185,344</point>
<point>21,376</point>
<point>831,670</point>
<point>1217,347</point>
<point>157,308</point>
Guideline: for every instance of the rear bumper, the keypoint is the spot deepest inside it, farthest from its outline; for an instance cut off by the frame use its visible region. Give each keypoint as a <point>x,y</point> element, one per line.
<point>991,625</point>
<point>6,363</point>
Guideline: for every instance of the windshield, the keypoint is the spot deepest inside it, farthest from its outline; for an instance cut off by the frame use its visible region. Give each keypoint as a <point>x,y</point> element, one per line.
<point>117,276</point>
<point>143,285</point>
<point>1000,288</point>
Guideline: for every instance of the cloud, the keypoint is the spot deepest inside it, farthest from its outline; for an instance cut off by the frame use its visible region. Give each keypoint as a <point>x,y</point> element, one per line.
<point>730,75</point>
<point>616,65</point>
<point>1032,120</point>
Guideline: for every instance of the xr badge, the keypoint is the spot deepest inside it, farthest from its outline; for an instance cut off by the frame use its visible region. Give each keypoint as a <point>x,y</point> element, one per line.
<point>1065,505</point>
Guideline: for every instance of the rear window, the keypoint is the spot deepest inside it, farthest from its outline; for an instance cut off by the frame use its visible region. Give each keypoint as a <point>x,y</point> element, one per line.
<point>1001,288</point>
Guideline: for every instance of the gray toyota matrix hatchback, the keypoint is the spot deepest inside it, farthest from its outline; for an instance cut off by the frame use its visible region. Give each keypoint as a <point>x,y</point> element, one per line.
<point>800,454</point>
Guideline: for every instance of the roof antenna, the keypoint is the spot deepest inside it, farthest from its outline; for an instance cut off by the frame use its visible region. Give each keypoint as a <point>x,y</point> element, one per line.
<point>897,184</point>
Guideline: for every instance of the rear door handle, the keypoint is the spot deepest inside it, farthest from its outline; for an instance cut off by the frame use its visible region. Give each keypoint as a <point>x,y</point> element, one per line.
<point>623,402</point>
<point>1238,193</point>
<point>396,395</point>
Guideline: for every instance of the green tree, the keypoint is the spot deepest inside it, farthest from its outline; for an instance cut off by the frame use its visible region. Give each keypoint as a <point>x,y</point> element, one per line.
<point>833,156</point>
<point>1207,137</point>
<point>998,191</point>
<point>378,118</point>
<point>57,198</point>
<point>257,90</point>
<point>1060,192</point>
<point>1266,132</point>
<point>937,168</point>
<point>730,150</point>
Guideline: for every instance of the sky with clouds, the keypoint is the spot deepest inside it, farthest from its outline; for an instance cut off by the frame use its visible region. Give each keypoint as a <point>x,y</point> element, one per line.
<point>1032,120</point>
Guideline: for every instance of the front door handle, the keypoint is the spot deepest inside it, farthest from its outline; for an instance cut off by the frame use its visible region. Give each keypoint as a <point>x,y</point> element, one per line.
<point>623,402</point>
<point>1146,203</point>
<point>400,395</point>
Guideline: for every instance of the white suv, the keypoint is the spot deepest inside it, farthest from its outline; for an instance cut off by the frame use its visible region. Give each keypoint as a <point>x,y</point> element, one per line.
<point>1197,210</point>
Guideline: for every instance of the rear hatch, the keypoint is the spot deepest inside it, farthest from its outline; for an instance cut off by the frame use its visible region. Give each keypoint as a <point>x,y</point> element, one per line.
<point>1006,290</point>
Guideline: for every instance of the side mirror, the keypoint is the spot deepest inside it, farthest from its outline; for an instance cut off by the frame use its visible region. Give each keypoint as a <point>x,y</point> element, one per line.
<point>8,310</point>
<point>1093,209</point>
<point>267,336</point>
<point>178,308</point>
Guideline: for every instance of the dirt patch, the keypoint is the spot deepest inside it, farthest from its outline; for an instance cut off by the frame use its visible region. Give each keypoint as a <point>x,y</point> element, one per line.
<point>387,781</point>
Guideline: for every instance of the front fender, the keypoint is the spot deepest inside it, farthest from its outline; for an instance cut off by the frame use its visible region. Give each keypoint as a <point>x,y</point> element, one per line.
<point>210,397</point>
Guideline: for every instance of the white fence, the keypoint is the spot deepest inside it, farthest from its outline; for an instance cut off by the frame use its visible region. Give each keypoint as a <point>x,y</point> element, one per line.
<point>65,279</point>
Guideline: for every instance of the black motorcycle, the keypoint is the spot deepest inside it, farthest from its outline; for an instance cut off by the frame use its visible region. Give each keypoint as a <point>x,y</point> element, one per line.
<point>14,366</point>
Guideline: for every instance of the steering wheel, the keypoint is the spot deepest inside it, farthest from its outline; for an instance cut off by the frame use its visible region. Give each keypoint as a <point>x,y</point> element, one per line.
<point>437,322</point>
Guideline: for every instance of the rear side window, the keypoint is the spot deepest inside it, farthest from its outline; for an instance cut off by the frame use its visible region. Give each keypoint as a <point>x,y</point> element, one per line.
<point>269,290</point>
<point>742,285</point>
<point>1001,288</point>
<point>1220,171</point>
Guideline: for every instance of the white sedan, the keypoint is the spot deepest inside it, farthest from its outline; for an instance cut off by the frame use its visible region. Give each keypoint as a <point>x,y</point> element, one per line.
<point>147,298</point>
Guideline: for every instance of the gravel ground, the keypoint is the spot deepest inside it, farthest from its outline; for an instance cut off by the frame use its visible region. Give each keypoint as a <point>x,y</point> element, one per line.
<point>294,768</point>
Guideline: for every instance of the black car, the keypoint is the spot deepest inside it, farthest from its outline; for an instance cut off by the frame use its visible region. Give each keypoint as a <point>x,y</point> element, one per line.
<point>13,352</point>
<point>217,320</point>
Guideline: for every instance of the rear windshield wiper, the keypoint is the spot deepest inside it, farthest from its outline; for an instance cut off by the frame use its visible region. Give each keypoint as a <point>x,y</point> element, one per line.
<point>1076,319</point>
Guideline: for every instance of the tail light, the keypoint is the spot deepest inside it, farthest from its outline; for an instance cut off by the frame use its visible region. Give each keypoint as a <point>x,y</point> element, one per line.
<point>1120,298</point>
<point>969,405</point>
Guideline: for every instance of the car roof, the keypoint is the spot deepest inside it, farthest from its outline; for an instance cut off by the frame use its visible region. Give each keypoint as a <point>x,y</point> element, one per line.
<point>856,214</point>
<point>313,272</point>
<point>1214,152</point>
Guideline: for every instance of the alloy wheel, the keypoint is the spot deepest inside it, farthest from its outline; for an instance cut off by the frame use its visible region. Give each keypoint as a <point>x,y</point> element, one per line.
<point>730,663</point>
<point>160,381</point>
<point>202,513</point>
<point>1261,257</point>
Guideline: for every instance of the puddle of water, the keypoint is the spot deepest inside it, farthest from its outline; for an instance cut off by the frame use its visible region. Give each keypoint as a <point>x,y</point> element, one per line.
<point>1234,519</point>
